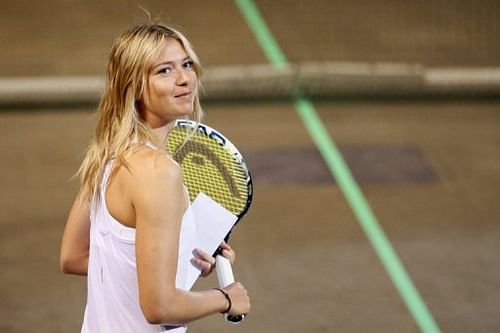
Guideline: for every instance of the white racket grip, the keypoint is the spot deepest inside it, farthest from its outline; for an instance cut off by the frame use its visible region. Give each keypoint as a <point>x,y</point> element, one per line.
<point>226,277</point>
<point>224,271</point>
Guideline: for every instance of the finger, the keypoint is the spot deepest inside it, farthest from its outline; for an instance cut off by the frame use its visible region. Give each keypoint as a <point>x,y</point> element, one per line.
<point>225,246</point>
<point>202,255</point>
<point>202,265</point>
<point>229,254</point>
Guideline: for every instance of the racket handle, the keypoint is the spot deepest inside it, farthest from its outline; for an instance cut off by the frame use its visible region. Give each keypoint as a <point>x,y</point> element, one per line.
<point>226,277</point>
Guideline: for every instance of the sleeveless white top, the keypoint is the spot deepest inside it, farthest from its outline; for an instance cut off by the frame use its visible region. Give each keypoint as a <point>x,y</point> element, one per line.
<point>112,287</point>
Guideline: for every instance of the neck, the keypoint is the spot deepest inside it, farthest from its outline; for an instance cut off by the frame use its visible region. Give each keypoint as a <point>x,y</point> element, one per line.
<point>161,133</point>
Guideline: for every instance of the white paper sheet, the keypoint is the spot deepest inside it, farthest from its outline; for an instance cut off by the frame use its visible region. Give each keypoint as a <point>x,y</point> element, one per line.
<point>206,223</point>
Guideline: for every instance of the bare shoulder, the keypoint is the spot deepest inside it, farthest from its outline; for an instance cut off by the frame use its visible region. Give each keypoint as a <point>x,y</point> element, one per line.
<point>151,172</point>
<point>150,162</point>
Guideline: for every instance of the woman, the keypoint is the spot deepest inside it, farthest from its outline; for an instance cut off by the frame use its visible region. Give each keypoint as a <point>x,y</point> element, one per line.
<point>125,225</point>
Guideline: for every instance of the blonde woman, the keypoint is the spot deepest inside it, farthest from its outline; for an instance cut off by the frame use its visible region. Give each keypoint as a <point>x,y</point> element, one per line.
<point>125,226</point>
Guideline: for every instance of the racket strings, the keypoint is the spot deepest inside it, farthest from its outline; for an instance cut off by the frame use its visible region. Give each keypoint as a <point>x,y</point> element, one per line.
<point>202,149</point>
<point>209,168</point>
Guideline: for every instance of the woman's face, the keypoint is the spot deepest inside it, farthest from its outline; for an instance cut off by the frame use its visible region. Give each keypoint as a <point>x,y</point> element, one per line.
<point>172,84</point>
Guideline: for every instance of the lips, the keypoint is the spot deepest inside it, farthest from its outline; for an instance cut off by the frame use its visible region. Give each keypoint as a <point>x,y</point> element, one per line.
<point>183,94</point>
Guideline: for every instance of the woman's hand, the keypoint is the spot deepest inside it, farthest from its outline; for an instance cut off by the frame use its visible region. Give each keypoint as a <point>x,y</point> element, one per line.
<point>203,261</point>
<point>240,301</point>
<point>228,252</point>
<point>206,263</point>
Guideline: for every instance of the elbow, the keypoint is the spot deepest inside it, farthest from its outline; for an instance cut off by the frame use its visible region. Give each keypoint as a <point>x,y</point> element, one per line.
<point>159,317</point>
<point>159,312</point>
<point>154,317</point>
<point>65,265</point>
<point>69,265</point>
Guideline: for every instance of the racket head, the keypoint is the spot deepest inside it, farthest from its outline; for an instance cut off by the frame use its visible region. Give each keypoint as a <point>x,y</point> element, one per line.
<point>211,164</point>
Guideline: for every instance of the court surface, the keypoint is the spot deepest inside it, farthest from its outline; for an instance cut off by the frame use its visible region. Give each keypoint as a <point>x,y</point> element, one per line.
<point>428,168</point>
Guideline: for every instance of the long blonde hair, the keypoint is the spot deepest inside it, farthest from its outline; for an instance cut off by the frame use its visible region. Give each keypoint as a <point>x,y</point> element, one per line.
<point>120,123</point>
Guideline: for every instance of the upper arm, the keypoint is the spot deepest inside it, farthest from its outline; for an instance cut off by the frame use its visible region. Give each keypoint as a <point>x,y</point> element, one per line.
<point>76,239</point>
<point>157,196</point>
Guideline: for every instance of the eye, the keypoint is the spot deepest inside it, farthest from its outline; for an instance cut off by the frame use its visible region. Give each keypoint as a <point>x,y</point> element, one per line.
<point>188,64</point>
<point>166,70</point>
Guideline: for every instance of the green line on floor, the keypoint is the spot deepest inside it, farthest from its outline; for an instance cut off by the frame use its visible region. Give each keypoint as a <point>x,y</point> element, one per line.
<point>340,171</point>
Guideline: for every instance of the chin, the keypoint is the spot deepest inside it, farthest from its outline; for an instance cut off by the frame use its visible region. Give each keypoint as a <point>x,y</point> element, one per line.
<point>186,112</point>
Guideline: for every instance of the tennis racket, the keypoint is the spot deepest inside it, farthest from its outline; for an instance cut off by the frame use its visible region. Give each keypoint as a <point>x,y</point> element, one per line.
<point>211,164</point>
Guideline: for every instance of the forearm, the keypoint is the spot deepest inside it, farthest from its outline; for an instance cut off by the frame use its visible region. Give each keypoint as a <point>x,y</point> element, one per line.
<point>181,307</point>
<point>74,255</point>
<point>76,265</point>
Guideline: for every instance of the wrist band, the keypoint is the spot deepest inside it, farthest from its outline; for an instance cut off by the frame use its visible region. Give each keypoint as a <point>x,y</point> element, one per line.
<point>226,295</point>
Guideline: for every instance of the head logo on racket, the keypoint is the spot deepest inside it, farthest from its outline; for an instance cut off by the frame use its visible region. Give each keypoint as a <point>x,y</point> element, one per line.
<point>211,164</point>
<point>201,153</point>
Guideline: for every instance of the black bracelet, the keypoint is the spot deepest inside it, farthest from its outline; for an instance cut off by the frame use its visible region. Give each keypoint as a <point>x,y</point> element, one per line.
<point>226,295</point>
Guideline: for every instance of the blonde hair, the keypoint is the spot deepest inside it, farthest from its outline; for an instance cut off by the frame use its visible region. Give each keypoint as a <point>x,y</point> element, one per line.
<point>120,123</point>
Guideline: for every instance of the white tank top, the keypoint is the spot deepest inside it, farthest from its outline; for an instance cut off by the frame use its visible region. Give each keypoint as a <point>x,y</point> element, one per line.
<point>112,287</point>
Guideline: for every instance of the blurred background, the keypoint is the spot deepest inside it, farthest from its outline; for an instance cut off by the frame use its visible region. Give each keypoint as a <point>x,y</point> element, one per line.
<point>407,90</point>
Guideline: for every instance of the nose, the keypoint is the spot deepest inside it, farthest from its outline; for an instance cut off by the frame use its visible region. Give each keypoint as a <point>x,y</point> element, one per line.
<point>181,79</point>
